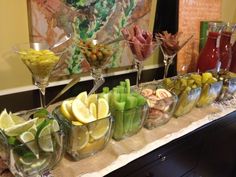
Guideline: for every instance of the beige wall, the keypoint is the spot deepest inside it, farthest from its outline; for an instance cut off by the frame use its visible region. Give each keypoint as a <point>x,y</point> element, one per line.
<point>229,10</point>
<point>14,29</point>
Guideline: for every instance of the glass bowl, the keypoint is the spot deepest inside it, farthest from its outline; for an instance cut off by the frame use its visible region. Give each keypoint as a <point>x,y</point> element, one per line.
<point>129,122</point>
<point>34,157</point>
<point>84,140</point>
<point>188,93</point>
<point>160,110</point>
<point>209,93</point>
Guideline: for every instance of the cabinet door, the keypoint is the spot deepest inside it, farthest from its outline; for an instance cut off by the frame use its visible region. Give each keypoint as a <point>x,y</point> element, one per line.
<point>174,163</point>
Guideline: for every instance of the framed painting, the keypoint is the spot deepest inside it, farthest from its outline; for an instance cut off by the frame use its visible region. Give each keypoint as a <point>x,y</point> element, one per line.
<point>51,20</point>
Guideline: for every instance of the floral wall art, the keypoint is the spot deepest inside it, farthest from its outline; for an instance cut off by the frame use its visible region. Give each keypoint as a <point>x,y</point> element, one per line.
<point>50,20</point>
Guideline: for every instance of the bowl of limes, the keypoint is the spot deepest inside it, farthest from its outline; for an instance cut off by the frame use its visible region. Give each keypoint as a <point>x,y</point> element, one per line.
<point>87,123</point>
<point>30,145</point>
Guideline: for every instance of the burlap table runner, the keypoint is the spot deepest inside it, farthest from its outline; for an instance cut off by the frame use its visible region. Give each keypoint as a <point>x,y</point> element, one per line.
<point>117,154</point>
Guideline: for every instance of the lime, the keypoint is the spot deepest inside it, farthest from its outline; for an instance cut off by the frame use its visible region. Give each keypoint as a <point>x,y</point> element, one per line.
<point>66,109</point>
<point>93,109</point>
<point>79,138</point>
<point>81,112</point>
<point>99,128</point>
<point>17,119</point>
<point>45,139</point>
<point>25,161</point>
<point>28,139</point>
<point>41,113</point>
<point>6,120</point>
<point>33,129</point>
<point>20,128</point>
<point>54,126</point>
<point>103,108</point>
<point>39,163</point>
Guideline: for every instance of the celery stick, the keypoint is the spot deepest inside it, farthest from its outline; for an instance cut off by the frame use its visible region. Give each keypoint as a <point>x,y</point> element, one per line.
<point>137,120</point>
<point>105,89</point>
<point>122,83</point>
<point>130,104</point>
<point>118,116</point>
<point>121,89</point>
<point>127,83</point>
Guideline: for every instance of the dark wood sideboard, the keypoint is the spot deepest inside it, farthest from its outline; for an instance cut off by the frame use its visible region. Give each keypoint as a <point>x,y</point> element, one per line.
<point>209,151</point>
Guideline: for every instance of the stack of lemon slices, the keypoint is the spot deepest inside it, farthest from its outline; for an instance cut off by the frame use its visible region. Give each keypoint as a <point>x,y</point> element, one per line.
<point>90,111</point>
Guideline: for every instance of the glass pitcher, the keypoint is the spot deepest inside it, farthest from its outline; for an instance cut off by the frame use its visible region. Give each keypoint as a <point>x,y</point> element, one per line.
<point>209,55</point>
<point>226,45</point>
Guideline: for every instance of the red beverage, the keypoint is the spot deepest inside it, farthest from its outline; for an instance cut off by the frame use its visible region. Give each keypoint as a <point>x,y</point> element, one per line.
<point>225,49</point>
<point>209,55</point>
<point>233,62</point>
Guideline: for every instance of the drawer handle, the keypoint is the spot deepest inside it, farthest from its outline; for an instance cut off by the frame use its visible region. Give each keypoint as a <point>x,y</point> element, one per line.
<point>149,174</point>
<point>163,158</point>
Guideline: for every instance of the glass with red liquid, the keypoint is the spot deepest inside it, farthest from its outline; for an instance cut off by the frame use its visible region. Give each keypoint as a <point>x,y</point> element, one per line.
<point>233,62</point>
<point>209,55</point>
<point>226,46</point>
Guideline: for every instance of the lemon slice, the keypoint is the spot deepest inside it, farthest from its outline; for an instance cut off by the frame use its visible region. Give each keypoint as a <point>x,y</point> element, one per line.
<point>99,128</point>
<point>66,109</point>
<point>83,96</point>
<point>92,99</point>
<point>76,123</point>
<point>28,139</point>
<point>93,109</point>
<point>6,120</point>
<point>81,112</point>
<point>45,139</point>
<point>79,138</point>
<point>20,128</point>
<point>103,108</point>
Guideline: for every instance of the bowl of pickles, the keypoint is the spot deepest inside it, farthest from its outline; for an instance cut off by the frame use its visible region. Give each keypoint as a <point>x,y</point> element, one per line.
<point>229,84</point>
<point>161,104</point>
<point>31,142</point>
<point>87,123</point>
<point>186,89</point>
<point>211,87</point>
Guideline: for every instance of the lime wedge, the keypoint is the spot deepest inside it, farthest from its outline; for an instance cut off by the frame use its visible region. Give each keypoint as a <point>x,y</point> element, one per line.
<point>28,139</point>
<point>54,126</point>
<point>18,129</point>
<point>103,108</point>
<point>99,128</point>
<point>25,161</point>
<point>79,138</point>
<point>45,139</point>
<point>6,120</point>
<point>17,119</point>
<point>33,129</point>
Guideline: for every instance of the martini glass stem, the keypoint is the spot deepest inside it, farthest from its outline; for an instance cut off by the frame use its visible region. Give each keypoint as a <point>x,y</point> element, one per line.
<point>168,60</point>
<point>42,96</point>
<point>98,79</point>
<point>139,67</point>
